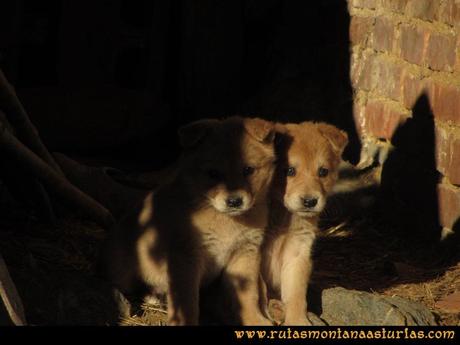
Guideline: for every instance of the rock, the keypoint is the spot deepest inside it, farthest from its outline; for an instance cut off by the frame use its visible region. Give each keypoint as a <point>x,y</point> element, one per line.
<point>341,307</point>
<point>315,320</point>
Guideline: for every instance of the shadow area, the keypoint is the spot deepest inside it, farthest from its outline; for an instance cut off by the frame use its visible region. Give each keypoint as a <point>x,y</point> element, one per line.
<point>296,72</point>
<point>408,199</point>
<point>394,236</point>
<point>53,269</point>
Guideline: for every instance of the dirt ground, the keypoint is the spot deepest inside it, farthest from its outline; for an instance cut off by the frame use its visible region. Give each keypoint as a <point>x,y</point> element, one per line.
<point>55,268</point>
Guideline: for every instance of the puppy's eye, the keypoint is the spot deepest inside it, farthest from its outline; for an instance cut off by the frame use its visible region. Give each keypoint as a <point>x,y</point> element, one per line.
<point>323,172</point>
<point>214,174</point>
<point>248,171</point>
<point>290,171</point>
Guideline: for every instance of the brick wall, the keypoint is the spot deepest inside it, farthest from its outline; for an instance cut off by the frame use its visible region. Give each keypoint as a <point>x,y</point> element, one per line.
<point>401,49</point>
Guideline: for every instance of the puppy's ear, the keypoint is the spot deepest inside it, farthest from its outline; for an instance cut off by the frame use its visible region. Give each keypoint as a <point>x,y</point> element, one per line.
<point>337,137</point>
<point>282,138</point>
<point>191,134</point>
<point>261,130</point>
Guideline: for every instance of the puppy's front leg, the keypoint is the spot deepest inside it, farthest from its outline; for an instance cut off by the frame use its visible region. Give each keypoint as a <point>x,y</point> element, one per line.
<point>183,294</point>
<point>241,282</point>
<point>295,275</point>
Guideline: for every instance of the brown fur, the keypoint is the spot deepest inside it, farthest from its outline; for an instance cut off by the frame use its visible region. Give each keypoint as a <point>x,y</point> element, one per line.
<point>184,235</point>
<point>286,263</point>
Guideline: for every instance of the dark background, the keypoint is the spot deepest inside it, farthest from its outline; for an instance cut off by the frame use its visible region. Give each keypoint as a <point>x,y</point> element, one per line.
<point>115,79</point>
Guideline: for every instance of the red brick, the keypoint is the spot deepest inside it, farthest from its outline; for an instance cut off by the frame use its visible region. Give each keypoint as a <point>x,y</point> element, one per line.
<point>356,63</point>
<point>384,33</point>
<point>391,80</point>
<point>449,13</point>
<point>412,87</point>
<point>371,4</point>
<point>445,102</point>
<point>381,75</point>
<point>360,71</point>
<point>448,153</point>
<point>423,9</point>
<point>358,115</point>
<point>363,74</point>
<point>387,80</point>
<point>413,43</point>
<point>395,5</point>
<point>359,27</point>
<point>448,205</point>
<point>440,55</point>
<point>457,58</point>
<point>381,120</point>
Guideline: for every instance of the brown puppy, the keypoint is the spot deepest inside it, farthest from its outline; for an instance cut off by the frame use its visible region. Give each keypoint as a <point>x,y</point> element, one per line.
<point>207,222</point>
<point>307,168</point>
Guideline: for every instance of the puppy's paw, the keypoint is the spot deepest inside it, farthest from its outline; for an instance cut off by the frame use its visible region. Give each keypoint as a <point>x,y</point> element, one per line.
<point>179,319</point>
<point>298,321</point>
<point>176,320</point>
<point>258,321</point>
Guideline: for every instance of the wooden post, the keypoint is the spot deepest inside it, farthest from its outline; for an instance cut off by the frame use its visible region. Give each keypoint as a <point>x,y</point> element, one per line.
<point>51,179</point>
<point>11,308</point>
<point>19,119</point>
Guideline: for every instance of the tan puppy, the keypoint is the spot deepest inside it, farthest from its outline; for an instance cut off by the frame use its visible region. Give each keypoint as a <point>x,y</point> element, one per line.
<point>208,222</point>
<point>307,168</point>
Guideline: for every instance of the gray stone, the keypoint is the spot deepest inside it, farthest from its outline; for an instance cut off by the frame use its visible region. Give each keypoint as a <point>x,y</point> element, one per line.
<point>315,320</point>
<point>341,307</point>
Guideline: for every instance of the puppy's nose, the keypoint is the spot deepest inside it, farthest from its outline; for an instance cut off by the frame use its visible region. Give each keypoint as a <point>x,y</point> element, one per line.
<point>234,202</point>
<point>309,202</point>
